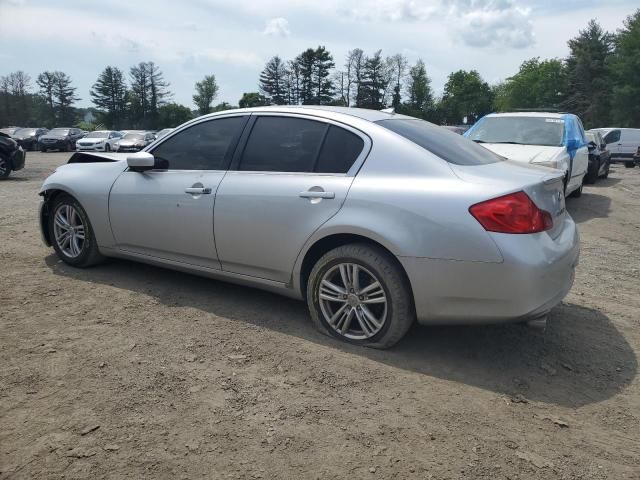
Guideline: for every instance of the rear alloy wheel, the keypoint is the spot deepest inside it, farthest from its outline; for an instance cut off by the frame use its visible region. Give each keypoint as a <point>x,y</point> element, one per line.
<point>359,294</point>
<point>71,233</point>
<point>5,166</point>
<point>107,147</point>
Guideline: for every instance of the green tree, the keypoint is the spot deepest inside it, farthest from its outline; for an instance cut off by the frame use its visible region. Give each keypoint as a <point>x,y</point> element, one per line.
<point>109,95</point>
<point>273,81</point>
<point>420,96</point>
<point>315,86</point>
<point>625,66</point>
<point>537,85</point>
<point>354,67</point>
<point>588,79</point>
<point>45,82</point>
<point>223,106</point>
<point>148,91</point>
<point>64,95</point>
<point>171,115</point>
<point>398,65</point>
<point>253,99</point>
<point>374,82</point>
<point>466,95</point>
<point>206,92</point>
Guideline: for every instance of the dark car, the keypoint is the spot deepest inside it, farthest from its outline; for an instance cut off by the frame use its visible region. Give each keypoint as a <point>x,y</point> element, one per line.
<point>28,138</point>
<point>11,155</point>
<point>63,139</point>
<point>599,157</point>
<point>9,130</point>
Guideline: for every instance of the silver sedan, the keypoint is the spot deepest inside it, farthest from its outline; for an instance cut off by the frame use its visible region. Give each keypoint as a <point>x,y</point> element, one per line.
<point>375,219</point>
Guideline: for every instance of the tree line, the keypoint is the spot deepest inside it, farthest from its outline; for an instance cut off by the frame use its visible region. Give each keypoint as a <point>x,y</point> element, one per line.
<point>599,81</point>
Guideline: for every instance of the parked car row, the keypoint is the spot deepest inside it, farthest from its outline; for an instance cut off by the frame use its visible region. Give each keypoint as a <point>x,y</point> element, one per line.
<point>623,143</point>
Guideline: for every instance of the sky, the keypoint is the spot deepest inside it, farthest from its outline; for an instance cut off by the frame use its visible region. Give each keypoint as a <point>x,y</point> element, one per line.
<point>233,39</point>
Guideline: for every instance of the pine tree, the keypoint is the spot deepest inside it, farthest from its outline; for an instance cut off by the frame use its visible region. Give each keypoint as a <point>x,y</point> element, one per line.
<point>323,84</point>
<point>625,67</point>
<point>374,82</point>
<point>398,66</point>
<point>109,95</point>
<point>206,92</point>
<point>148,92</point>
<point>420,101</point>
<point>273,81</point>
<point>46,82</point>
<point>588,75</point>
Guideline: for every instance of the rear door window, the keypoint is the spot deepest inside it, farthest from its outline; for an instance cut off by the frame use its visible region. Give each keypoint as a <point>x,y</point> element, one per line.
<point>283,144</point>
<point>339,151</point>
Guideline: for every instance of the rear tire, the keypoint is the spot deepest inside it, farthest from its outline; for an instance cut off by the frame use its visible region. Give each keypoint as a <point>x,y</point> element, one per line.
<point>107,148</point>
<point>592,175</point>
<point>67,214</point>
<point>629,164</point>
<point>577,193</point>
<point>606,171</point>
<point>43,149</point>
<point>377,308</point>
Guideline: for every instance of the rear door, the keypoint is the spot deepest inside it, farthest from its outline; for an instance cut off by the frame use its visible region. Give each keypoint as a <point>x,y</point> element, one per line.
<point>292,175</point>
<point>630,141</point>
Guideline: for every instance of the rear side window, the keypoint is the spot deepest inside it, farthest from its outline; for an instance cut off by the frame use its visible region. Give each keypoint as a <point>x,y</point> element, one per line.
<point>204,146</point>
<point>445,144</point>
<point>283,144</point>
<point>340,150</point>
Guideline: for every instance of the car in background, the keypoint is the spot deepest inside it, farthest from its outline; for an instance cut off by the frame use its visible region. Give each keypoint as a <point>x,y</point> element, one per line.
<point>623,144</point>
<point>98,141</point>
<point>636,157</point>
<point>28,138</point>
<point>163,132</point>
<point>63,139</point>
<point>133,142</point>
<point>9,130</point>
<point>375,219</point>
<point>552,140</point>
<point>599,157</point>
<point>11,155</point>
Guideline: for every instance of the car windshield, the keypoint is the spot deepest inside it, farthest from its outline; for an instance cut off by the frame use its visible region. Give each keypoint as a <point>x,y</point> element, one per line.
<point>444,143</point>
<point>25,131</point>
<point>59,131</point>
<point>134,136</point>
<point>519,130</point>
<point>97,135</point>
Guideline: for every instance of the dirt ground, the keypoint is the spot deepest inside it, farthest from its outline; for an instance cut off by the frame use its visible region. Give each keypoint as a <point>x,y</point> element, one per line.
<point>131,371</point>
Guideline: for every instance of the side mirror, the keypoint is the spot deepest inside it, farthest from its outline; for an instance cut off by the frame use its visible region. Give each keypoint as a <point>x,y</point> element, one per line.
<point>141,161</point>
<point>592,146</point>
<point>603,146</point>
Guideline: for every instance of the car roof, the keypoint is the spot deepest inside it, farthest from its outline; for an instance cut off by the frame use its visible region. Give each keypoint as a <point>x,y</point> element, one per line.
<point>320,110</point>
<point>530,114</point>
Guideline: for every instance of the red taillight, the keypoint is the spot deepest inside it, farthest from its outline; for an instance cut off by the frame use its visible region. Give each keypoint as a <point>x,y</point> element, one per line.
<point>513,213</point>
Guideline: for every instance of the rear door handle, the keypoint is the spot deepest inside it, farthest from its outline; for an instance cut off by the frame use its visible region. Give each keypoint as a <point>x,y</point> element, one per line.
<point>312,194</point>
<point>197,190</point>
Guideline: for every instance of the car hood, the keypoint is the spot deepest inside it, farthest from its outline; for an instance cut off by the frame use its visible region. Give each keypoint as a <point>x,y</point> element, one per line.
<point>524,153</point>
<point>23,137</point>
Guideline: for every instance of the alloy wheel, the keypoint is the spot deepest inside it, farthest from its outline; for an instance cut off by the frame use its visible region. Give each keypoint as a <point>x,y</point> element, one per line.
<point>353,301</point>
<point>69,231</point>
<point>4,165</point>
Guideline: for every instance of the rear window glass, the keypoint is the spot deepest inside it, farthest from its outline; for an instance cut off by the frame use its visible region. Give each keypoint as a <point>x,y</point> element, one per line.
<point>445,144</point>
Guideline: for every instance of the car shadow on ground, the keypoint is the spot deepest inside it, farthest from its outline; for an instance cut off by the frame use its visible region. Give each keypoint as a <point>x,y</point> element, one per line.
<point>588,206</point>
<point>580,359</point>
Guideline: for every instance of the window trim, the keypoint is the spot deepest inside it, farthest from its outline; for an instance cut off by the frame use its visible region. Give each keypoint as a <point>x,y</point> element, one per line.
<point>353,170</point>
<point>234,143</point>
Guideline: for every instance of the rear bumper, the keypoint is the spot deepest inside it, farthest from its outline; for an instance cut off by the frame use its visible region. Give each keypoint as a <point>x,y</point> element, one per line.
<point>536,274</point>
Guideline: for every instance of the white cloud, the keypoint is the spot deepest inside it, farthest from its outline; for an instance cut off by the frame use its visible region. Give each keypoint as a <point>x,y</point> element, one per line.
<point>277,27</point>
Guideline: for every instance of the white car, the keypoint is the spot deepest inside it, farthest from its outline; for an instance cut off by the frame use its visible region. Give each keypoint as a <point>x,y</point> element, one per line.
<point>553,140</point>
<point>623,143</point>
<point>98,141</point>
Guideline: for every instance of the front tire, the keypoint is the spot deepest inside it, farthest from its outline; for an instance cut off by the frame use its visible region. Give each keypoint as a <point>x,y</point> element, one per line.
<point>5,166</point>
<point>592,175</point>
<point>107,148</point>
<point>71,233</point>
<point>359,294</point>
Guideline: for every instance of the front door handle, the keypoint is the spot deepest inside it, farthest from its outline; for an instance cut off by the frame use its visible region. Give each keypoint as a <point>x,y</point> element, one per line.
<point>197,190</point>
<point>315,194</point>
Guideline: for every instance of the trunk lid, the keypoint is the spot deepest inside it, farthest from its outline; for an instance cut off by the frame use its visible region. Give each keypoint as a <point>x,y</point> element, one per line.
<point>543,185</point>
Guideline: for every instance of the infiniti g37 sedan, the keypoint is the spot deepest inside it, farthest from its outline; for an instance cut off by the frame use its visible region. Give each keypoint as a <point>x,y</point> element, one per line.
<point>376,219</point>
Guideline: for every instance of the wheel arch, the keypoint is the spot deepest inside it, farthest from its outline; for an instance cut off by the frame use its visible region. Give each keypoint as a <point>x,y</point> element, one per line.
<point>48,197</point>
<point>321,245</point>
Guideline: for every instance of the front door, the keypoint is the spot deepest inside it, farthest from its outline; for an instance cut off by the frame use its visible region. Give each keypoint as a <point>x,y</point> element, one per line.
<point>167,212</point>
<point>292,176</point>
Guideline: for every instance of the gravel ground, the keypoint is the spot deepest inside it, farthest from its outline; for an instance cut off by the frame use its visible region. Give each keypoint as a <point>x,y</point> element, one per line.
<point>131,371</point>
